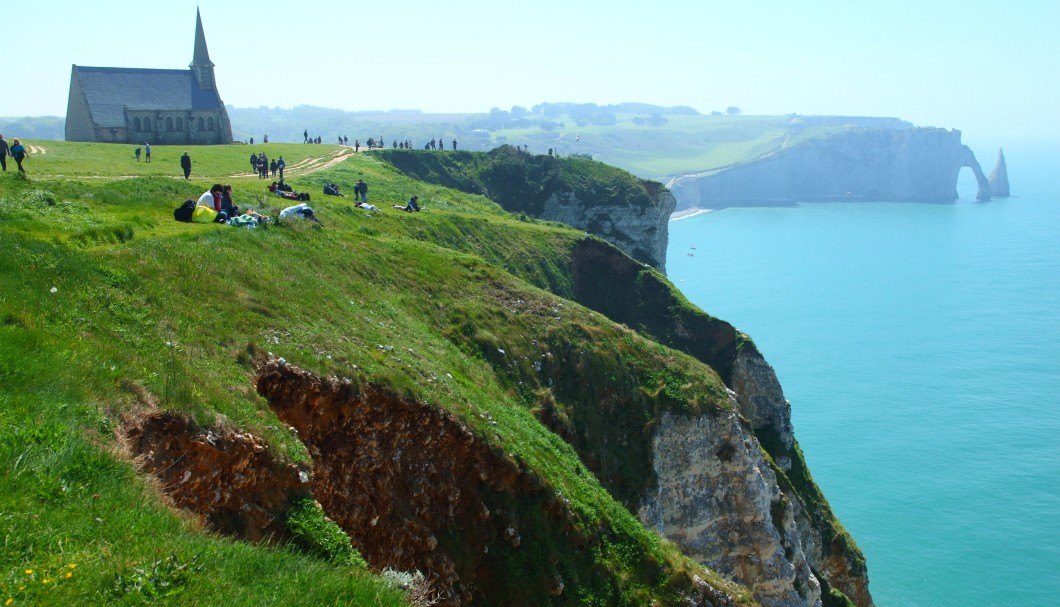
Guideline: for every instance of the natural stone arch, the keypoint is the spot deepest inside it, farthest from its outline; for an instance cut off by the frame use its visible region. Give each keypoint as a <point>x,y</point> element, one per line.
<point>968,160</point>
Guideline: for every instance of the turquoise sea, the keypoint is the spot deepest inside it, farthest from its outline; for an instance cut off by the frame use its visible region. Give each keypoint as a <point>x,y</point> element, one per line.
<point>919,345</point>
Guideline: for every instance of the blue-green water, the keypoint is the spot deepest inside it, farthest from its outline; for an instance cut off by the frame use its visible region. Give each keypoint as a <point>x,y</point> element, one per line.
<point>920,348</point>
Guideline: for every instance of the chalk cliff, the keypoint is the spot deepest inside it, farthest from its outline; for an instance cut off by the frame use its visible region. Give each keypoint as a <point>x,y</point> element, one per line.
<point>999,177</point>
<point>639,231</point>
<point>915,165</point>
<point>712,484</point>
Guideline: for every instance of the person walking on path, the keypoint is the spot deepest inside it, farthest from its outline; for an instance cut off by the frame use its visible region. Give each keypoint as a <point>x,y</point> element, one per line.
<point>185,163</point>
<point>281,165</point>
<point>18,152</point>
<point>4,149</point>
<point>147,152</point>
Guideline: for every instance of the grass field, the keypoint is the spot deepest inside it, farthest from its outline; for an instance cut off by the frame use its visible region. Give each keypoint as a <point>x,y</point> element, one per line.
<point>683,145</point>
<point>109,307</point>
<point>209,163</point>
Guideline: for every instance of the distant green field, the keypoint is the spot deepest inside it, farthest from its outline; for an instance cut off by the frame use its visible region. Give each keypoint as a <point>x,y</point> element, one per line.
<point>684,145</point>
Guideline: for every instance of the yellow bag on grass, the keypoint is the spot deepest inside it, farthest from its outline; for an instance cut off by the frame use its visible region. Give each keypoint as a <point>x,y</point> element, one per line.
<point>202,214</point>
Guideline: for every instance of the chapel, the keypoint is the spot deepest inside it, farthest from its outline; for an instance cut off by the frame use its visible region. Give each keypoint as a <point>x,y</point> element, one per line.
<point>138,105</point>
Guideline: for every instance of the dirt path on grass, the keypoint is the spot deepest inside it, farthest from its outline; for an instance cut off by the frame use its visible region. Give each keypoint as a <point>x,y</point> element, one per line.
<point>310,165</point>
<point>36,149</point>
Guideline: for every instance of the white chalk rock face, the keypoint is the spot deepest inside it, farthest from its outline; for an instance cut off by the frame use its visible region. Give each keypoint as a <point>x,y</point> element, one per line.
<point>718,500</point>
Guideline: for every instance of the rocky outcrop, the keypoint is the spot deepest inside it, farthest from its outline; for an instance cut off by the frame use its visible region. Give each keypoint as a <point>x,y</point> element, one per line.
<point>684,505</point>
<point>914,165</point>
<point>410,484</point>
<point>417,489</point>
<point>718,499</point>
<point>230,479</point>
<point>827,547</point>
<point>641,232</point>
<point>761,399</point>
<point>999,177</point>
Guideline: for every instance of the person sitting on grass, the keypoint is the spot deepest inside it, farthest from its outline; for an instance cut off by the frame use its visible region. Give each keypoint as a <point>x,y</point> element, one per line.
<point>226,202</point>
<point>411,207</point>
<point>212,201</point>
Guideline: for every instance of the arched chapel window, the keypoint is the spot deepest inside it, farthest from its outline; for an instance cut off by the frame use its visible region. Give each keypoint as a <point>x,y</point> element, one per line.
<point>209,124</point>
<point>136,124</point>
<point>169,124</point>
<point>180,124</point>
<point>201,127</point>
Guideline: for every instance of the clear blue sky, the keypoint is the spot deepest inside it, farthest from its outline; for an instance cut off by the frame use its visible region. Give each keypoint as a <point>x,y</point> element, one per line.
<point>987,68</point>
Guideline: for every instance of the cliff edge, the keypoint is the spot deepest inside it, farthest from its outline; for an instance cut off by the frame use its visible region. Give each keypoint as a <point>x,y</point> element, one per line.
<point>628,212</point>
<point>859,164</point>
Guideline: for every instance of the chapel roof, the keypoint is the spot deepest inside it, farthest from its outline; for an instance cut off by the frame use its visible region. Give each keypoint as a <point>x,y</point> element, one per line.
<point>108,90</point>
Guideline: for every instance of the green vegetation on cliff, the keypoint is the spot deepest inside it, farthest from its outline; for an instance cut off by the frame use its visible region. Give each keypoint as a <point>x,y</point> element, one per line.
<point>522,182</point>
<point>110,310</point>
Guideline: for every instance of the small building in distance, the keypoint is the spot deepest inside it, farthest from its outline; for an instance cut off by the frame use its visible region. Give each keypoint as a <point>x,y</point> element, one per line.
<point>137,105</point>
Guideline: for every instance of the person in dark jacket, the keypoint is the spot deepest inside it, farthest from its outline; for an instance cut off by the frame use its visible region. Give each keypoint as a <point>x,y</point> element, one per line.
<point>4,149</point>
<point>185,163</point>
<point>18,152</point>
<point>361,188</point>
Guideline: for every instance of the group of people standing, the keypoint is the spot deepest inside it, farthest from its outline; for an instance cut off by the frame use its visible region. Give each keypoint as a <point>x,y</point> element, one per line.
<point>433,144</point>
<point>260,164</point>
<point>307,139</point>
<point>17,151</point>
<point>437,145</point>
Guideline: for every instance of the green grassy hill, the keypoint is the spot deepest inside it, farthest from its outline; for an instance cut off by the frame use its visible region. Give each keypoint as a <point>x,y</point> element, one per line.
<point>112,312</point>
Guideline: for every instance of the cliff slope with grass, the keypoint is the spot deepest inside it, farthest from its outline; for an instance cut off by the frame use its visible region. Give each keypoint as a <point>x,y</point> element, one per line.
<point>628,212</point>
<point>310,413</point>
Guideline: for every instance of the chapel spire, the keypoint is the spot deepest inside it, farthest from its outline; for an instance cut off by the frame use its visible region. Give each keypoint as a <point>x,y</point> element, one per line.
<point>200,62</point>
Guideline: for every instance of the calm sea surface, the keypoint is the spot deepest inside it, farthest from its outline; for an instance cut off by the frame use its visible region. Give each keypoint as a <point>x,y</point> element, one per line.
<point>919,345</point>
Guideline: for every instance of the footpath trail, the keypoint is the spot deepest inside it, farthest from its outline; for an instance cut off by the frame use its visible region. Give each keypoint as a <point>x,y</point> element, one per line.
<point>310,165</point>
